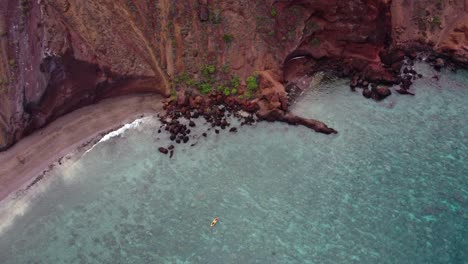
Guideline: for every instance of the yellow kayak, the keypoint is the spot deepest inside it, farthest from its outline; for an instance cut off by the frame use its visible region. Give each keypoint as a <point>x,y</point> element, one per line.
<point>214,222</point>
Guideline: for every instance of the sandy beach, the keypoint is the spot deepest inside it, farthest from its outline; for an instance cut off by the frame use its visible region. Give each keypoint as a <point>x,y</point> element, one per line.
<point>33,154</point>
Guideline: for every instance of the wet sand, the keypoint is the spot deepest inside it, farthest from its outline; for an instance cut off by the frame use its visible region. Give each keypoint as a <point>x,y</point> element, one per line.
<point>33,154</point>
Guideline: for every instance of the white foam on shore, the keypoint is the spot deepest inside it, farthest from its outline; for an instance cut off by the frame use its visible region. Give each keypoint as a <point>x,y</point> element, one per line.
<point>18,203</point>
<point>12,209</point>
<point>135,124</point>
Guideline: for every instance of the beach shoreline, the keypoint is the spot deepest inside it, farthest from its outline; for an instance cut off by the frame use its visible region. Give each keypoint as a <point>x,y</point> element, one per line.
<point>31,156</point>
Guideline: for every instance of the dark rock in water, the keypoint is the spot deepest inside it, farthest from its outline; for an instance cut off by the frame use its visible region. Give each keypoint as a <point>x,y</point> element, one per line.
<point>191,124</point>
<point>367,93</point>
<point>173,137</point>
<point>172,154</point>
<point>178,141</point>
<point>216,131</point>
<point>163,150</point>
<point>420,75</point>
<point>186,139</point>
<point>159,130</point>
<point>233,130</point>
<point>406,83</point>
<point>404,91</point>
<point>405,71</point>
<point>280,115</point>
<point>204,134</point>
<point>171,147</point>
<point>381,93</point>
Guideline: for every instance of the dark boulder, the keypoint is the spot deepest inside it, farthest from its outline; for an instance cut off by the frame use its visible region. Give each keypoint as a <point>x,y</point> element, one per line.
<point>163,150</point>
<point>367,93</point>
<point>380,93</point>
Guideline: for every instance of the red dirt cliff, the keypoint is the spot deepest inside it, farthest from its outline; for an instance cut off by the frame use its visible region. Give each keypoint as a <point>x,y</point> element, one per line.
<point>59,55</point>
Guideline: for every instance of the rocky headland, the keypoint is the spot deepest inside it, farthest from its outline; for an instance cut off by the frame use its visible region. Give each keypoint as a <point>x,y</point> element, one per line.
<point>60,55</point>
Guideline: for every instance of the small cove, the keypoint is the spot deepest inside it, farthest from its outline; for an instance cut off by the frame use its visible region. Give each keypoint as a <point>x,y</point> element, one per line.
<point>391,187</point>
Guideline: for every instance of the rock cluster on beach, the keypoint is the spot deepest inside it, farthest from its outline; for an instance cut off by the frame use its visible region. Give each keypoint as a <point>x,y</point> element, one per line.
<point>215,110</point>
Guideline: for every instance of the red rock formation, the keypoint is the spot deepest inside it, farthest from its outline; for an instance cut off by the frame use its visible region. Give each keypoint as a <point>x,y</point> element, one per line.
<point>59,55</point>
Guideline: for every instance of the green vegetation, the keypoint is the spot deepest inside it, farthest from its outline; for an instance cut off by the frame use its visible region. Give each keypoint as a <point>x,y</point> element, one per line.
<point>173,94</point>
<point>252,87</point>
<point>184,78</point>
<point>212,80</point>
<point>205,88</point>
<point>227,91</point>
<point>273,12</point>
<point>208,70</point>
<point>235,82</point>
<point>252,83</point>
<point>228,38</point>
<point>435,21</point>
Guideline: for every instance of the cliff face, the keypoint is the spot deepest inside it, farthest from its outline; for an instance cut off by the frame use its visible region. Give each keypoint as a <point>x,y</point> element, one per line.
<point>58,55</point>
<point>441,24</point>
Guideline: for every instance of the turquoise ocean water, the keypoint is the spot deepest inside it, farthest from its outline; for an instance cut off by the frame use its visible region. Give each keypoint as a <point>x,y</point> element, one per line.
<point>391,187</point>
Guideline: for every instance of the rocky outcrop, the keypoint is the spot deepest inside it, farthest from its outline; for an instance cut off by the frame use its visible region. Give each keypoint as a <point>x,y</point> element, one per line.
<point>59,55</point>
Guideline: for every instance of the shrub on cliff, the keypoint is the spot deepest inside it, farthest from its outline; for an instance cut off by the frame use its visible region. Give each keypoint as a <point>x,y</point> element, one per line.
<point>228,38</point>
<point>208,70</point>
<point>235,82</point>
<point>205,88</point>
<point>273,12</point>
<point>252,83</point>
